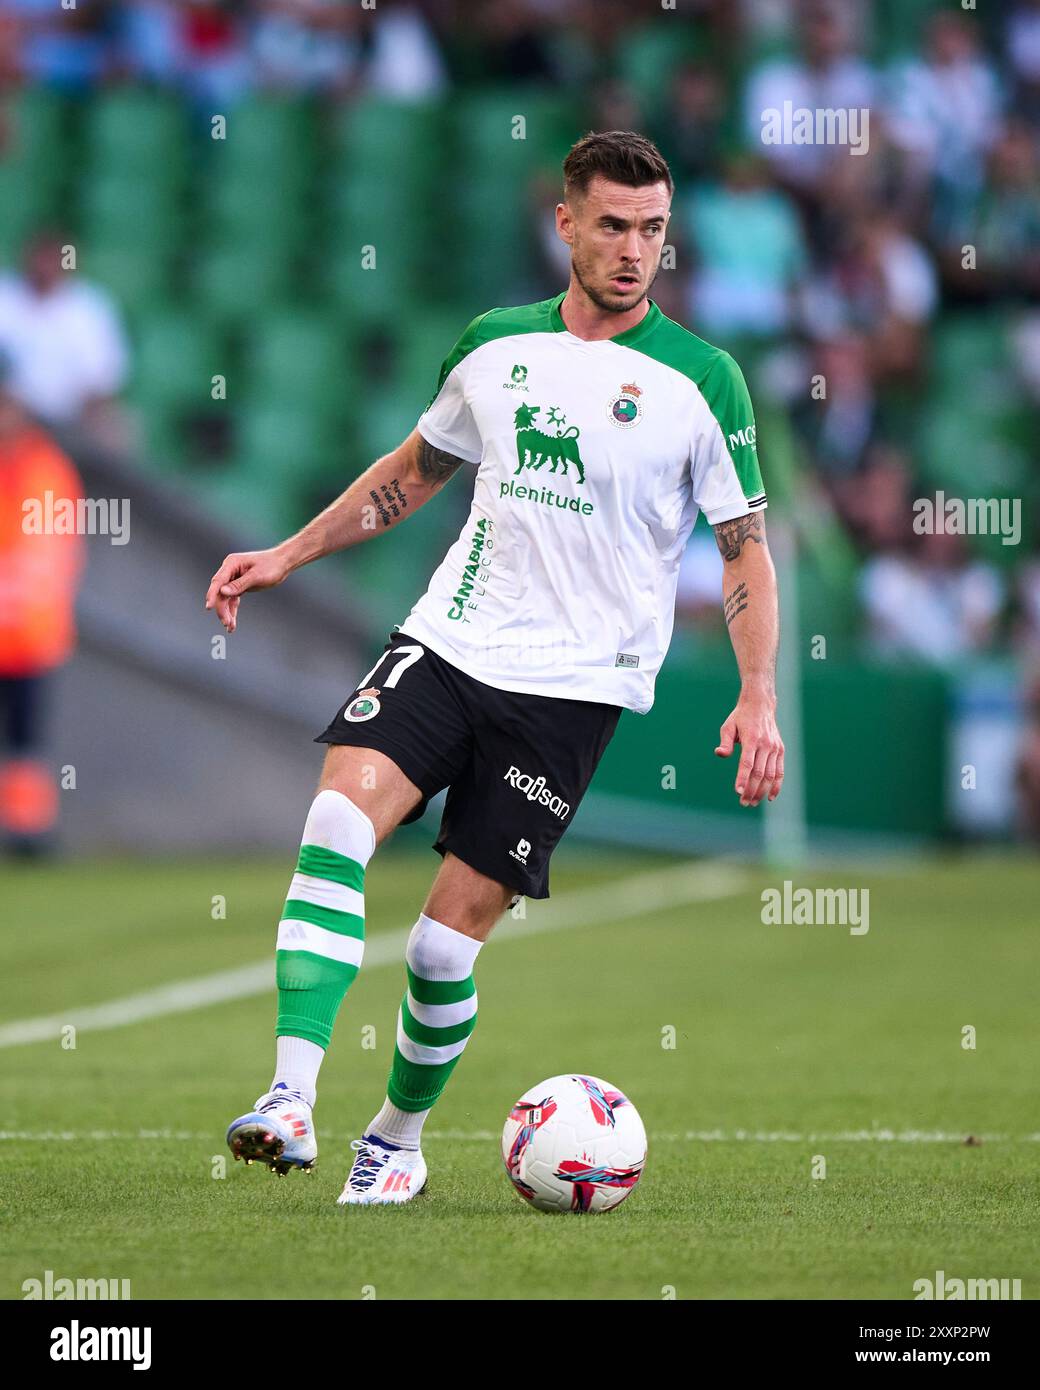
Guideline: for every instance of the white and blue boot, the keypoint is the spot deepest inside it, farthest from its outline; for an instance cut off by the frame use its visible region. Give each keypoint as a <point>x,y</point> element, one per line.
<point>278,1131</point>
<point>382,1174</point>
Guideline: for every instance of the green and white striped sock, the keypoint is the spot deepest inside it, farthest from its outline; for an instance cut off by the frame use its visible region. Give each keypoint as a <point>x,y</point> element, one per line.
<point>321,937</point>
<point>437,1015</point>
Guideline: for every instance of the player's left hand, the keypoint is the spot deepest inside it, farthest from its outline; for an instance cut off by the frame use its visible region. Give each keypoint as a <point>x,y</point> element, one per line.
<point>254,569</point>
<point>753,725</point>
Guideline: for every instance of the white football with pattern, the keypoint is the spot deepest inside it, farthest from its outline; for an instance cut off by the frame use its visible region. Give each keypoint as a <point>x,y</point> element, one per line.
<point>574,1143</point>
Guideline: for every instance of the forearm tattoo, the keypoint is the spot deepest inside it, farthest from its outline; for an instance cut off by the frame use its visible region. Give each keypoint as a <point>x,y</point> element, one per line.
<point>735,602</point>
<point>731,535</point>
<point>436,465</point>
<point>389,501</point>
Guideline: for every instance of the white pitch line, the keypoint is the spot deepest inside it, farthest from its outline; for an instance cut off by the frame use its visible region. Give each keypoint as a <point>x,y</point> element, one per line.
<point>611,902</point>
<point>486,1136</point>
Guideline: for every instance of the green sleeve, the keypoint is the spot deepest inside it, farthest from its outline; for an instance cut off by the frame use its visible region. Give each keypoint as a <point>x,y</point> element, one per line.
<point>726,393</point>
<point>469,340</point>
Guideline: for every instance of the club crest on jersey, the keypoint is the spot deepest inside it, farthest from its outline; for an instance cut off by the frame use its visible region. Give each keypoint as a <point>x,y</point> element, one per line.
<point>362,707</point>
<point>625,409</point>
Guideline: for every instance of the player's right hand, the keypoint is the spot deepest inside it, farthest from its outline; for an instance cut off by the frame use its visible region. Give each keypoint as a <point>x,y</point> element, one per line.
<point>254,569</point>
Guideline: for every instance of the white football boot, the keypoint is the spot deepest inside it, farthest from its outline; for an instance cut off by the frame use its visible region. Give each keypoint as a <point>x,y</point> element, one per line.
<point>382,1174</point>
<point>278,1131</point>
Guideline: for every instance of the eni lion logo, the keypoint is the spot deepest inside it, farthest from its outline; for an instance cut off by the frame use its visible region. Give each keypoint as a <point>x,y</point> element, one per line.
<point>535,448</point>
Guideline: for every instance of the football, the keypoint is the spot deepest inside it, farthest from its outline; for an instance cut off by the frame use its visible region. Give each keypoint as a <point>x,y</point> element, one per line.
<point>574,1143</point>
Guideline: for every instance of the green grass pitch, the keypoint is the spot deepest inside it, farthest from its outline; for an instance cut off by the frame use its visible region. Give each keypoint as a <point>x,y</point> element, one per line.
<point>790,1042</point>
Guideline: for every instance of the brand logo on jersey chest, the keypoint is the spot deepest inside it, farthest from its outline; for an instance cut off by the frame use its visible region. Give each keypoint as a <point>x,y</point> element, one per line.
<point>554,448</point>
<point>518,379</point>
<point>535,447</point>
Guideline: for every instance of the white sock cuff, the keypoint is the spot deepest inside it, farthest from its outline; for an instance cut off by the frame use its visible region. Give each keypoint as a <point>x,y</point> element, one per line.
<point>402,1127</point>
<point>297,1063</point>
<point>335,823</point>
<point>439,952</point>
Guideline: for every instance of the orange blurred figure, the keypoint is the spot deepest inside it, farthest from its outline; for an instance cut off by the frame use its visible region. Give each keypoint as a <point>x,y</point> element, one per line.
<point>39,576</point>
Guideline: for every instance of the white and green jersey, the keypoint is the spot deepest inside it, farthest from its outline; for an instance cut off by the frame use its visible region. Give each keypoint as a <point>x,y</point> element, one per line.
<point>593,461</point>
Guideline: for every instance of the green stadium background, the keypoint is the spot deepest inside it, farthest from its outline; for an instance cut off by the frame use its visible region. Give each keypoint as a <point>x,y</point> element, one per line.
<point>380,177</point>
<point>321,254</point>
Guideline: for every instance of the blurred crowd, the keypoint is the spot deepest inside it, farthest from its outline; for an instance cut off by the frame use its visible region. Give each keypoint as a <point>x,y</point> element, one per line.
<point>815,263</point>
<point>841,270</point>
<point>885,303</point>
<point>216,51</point>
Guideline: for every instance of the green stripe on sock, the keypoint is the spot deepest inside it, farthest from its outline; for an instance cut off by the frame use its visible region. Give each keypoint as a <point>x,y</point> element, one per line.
<point>327,863</point>
<point>418,1085</point>
<point>343,923</point>
<point>434,1037</point>
<point>414,1087</point>
<point>310,991</point>
<point>440,991</point>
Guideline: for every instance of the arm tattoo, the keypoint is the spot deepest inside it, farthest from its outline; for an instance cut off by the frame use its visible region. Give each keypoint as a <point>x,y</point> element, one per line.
<point>436,465</point>
<point>389,501</point>
<point>731,535</point>
<point>735,602</point>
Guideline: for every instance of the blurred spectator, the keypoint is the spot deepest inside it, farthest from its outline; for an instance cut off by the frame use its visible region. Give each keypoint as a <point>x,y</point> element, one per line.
<point>66,344</point>
<point>826,75</point>
<point>39,575</point>
<point>875,503</point>
<point>882,285</point>
<point>839,420</point>
<point>931,601</point>
<point>306,45</point>
<point>1028,603</point>
<point>216,67</point>
<point>749,252</point>
<point>545,192</point>
<point>151,36</point>
<point>944,114</point>
<point>691,134</point>
<point>66,47</point>
<point>1003,224</point>
<point>1027,772</point>
<point>514,42</point>
<point>405,63</point>
<point>9,47</point>
<point>614,106</point>
<point>1022,41</point>
<point>1026,344</point>
<point>857,189</point>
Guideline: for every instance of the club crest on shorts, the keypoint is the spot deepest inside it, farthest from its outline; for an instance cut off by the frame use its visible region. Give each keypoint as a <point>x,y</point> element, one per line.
<point>625,409</point>
<point>363,706</point>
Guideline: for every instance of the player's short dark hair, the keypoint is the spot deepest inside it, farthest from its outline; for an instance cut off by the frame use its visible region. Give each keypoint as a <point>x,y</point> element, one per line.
<point>622,156</point>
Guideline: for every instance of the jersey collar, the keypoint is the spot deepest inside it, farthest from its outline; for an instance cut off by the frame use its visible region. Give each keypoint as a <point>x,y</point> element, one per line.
<point>631,335</point>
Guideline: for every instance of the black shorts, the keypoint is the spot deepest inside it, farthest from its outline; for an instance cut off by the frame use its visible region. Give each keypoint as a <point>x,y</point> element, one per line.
<point>516,766</point>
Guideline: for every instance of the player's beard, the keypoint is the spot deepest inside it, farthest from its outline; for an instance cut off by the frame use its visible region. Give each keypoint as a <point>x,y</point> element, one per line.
<point>610,306</point>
